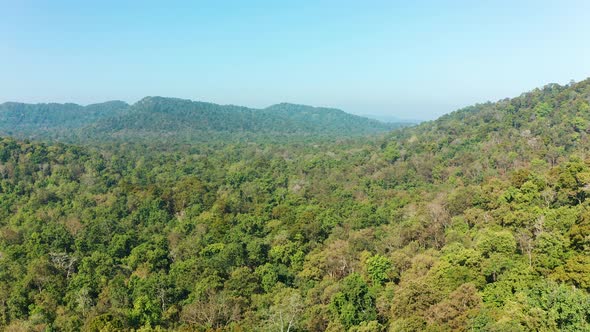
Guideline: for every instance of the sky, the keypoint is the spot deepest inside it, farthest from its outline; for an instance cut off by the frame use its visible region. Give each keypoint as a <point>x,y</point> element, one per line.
<point>408,59</point>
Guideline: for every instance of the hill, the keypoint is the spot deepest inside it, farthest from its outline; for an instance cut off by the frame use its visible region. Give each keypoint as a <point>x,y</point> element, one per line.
<point>42,120</point>
<point>178,120</point>
<point>154,117</point>
<point>491,139</point>
<point>477,221</point>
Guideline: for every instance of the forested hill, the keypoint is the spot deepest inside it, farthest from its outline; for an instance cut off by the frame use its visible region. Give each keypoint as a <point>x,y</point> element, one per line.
<point>172,119</point>
<point>191,120</point>
<point>43,120</point>
<point>489,139</point>
<point>478,221</point>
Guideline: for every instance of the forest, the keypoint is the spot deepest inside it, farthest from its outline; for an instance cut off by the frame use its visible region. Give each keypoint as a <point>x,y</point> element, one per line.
<point>477,221</point>
<point>174,120</point>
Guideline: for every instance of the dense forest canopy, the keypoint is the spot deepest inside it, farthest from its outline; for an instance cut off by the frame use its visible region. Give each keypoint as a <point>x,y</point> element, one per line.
<point>478,221</point>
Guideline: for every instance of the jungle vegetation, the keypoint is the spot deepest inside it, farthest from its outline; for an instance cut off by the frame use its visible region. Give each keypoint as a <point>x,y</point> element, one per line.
<point>477,221</point>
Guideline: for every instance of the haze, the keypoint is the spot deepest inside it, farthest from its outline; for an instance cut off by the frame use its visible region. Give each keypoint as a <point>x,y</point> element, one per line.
<point>391,58</point>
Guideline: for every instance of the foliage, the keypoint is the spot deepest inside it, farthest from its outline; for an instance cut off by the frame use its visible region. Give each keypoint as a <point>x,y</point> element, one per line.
<point>479,220</point>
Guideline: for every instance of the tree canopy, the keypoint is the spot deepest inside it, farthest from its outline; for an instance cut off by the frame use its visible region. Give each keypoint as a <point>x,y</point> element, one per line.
<point>476,221</point>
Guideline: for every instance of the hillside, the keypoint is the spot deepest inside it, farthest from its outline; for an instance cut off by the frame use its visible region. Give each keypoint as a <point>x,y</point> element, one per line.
<point>42,120</point>
<point>478,221</point>
<point>171,119</point>
<point>491,139</point>
<point>187,120</point>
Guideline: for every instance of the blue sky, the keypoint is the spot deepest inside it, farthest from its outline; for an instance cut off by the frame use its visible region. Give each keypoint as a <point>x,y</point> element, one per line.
<point>412,59</point>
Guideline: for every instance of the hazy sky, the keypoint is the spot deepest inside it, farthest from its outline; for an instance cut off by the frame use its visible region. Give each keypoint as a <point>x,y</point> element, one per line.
<point>413,59</point>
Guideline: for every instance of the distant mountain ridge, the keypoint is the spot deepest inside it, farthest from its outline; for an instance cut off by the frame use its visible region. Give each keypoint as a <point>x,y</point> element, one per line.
<point>53,115</point>
<point>153,117</point>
